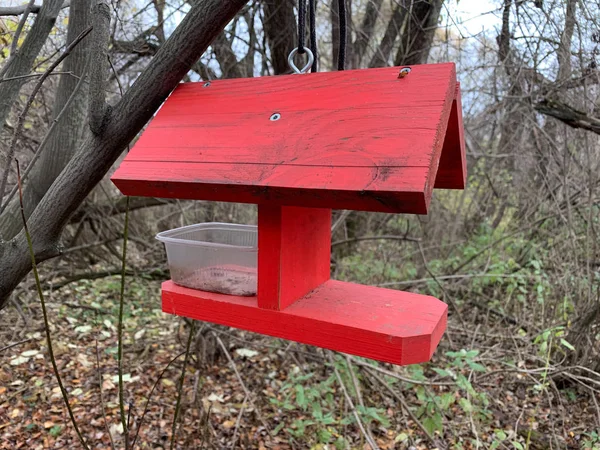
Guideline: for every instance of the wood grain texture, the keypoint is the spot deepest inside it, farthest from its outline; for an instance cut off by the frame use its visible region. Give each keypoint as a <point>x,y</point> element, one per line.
<point>452,172</point>
<point>294,250</point>
<point>400,190</point>
<point>357,139</point>
<point>382,324</point>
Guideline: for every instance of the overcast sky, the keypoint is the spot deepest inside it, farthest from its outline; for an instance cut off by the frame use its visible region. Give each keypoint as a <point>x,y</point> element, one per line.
<point>473,16</point>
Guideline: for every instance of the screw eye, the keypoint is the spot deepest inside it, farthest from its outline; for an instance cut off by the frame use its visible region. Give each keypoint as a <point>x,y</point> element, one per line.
<point>207,84</point>
<point>274,117</point>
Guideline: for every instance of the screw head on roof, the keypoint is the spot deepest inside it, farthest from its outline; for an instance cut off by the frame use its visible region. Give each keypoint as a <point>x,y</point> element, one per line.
<point>274,117</point>
<point>404,71</point>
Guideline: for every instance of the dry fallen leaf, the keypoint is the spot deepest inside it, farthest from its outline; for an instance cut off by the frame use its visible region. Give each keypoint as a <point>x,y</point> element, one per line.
<point>228,424</point>
<point>19,360</point>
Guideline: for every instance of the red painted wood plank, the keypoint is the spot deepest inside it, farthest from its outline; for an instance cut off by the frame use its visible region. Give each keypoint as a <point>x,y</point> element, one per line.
<point>361,131</point>
<point>384,189</point>
<point>452,173</point>
<point>294,253</point>
<point>360,138</point>
<point>330,91</point>
<point>382,324</point>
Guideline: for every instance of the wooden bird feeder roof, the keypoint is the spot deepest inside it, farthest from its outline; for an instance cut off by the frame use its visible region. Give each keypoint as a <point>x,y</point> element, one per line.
<point>300,146</point>
<point>357,139</point>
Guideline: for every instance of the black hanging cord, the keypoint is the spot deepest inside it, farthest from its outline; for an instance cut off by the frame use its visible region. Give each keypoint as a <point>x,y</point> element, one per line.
<point>313,32</point>
<point>301,26</point>
<point>343,32</point>
<point>302,29</point>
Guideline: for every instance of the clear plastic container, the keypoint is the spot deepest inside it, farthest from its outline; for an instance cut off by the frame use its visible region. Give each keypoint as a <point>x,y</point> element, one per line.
<point>214,257</point>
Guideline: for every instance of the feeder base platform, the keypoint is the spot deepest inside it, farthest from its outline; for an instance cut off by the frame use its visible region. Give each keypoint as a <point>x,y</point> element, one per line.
<point>382,324</point>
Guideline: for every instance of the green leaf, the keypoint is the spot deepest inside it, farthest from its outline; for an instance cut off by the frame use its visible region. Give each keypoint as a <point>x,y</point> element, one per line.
<point>341,443</point>
<point>278,428</point>
<point>401,438</point>
<point>517,445</point>
<point>446,400</point>
<point>567,344</point>
<point>317,411</point>
<point>328,419</point>
<point>476,366</point>
<point>374,414</point>
<point>55,431</point>
<point>442,372</point>
<point>421,394</point>
<point>324,436</point>
<point>472,354</point>
<point>500,434</point>
<point>466,405</point>
<point>300,398</point>
<point>433,423</point>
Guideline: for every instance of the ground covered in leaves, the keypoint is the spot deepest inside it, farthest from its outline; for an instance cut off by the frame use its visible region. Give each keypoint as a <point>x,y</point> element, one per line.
<point>488,385</point>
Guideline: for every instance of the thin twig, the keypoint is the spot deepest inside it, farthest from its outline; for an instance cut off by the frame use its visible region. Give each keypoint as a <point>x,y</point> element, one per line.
<point>147,406</point>
<point>239,377</point>
<point>363,429</point>
<point>15,43</point>
<point>21,120</point>
<point>15,344</point>
<point>237,423</point>
<point>120,328</point>
<point>354,381</point>
<point>15,302</point>
<point>18,10</point>
<point>34,75</point>
<point>402,401</point>
<point>376,238</point>
<point>102,404</point>
<point>40,292</point>
<point>400,377</point>
<point>340,220</point>
<point>446,294</point>
<point>180,387</point>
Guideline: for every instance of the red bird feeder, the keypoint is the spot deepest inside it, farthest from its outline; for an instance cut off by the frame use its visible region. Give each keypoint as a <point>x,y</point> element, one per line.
<point>300,146</point>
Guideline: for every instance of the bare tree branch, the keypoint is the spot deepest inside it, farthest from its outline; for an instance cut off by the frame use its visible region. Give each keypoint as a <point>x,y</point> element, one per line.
<point>226,57</point>
<point>281,29</point>
<point>98,108</point>
<point>22,61</point>
<point>568,115</point>
<point>65,133</point>
<point>18,10</point>
<point>417,36</point>
<point>23,115</point>
<point>96,155</point>
<point>365,33</point>
<point>564,50</point>
<point>15,42</point>
<point>382,54</point>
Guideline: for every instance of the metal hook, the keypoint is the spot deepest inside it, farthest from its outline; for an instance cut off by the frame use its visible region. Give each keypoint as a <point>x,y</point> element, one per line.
<point>309,63</point>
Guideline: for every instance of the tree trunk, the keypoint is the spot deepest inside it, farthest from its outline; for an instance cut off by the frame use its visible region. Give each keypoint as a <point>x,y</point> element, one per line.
<point>281,31</point>
<point>67,134</point>
<point>22,62</point>
<point>382,54</point>
<point>417,36</point>
<point>226,57</point>
<point>99,152</point>
<point>365,33</point>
